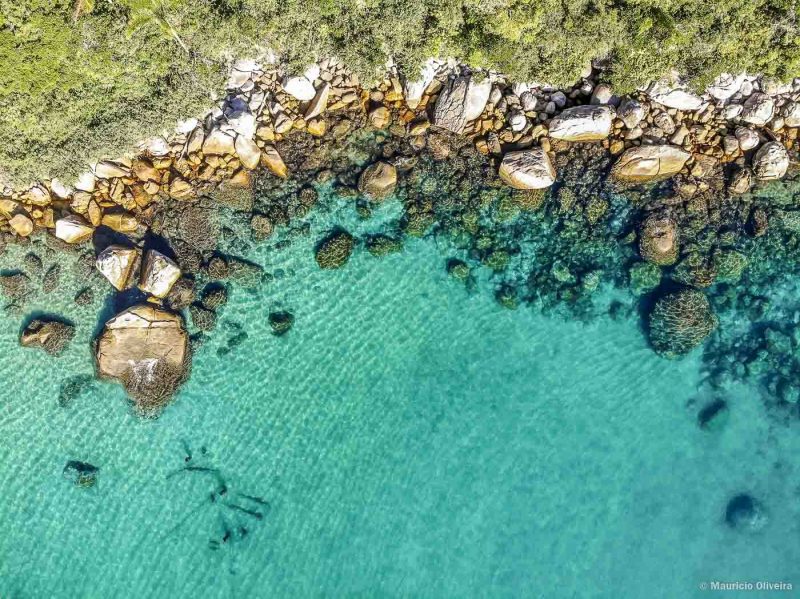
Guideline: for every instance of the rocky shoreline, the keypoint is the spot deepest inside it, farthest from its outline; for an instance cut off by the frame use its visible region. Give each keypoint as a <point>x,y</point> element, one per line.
<point>712,147</point>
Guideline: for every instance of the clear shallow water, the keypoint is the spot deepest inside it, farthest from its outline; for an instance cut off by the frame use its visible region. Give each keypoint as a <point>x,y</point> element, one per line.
<point>413,441</point>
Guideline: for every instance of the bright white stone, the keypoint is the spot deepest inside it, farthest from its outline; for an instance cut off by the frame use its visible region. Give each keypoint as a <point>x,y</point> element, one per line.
<point>582,123</point>
<point>771,161</point>
<point>159,274</point>
<point>73,229</point>
<point>299,87</point>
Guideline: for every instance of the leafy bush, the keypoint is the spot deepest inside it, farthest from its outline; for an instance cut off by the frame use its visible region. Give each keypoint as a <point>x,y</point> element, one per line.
<point>81,79</point>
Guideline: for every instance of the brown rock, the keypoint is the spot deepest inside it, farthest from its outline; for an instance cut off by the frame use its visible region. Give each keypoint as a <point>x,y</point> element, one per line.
<point>147,350</point>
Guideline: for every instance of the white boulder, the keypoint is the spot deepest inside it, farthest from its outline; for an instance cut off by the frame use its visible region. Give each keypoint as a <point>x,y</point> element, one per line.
<point>116,263</point>
<point>299,87</point>
<point>679,99</point>
<point>758,110</point>
<point>582,123</point>
<point>770,162</point>
<point>748,139</point>
<point>528,169</point>
<point>725,86</point>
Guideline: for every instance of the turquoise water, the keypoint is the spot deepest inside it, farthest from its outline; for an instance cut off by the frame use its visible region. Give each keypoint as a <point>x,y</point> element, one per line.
<point>412,440</point>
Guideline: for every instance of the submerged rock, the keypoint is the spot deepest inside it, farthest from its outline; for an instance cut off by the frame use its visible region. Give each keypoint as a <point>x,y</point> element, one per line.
<point>713,415</point>
<point>334,251</point>
<point>648,163</point>
<point>146,349</point>
<point>378,180</point>
<point>53,336</point>
<point>680,321</point>
<point>746,514</point>
<point>582,123</point>
<point>281,322</point>
<point>658,240</point>
<point>73,387</point>
<point>82,474</point>
<point>528,169</point>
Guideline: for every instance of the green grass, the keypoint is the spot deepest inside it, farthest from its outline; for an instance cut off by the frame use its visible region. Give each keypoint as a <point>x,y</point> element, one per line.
<point>75,89</point>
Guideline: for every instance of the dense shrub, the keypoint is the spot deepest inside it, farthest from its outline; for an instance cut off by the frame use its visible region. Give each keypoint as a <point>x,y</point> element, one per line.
<point>80,79</point>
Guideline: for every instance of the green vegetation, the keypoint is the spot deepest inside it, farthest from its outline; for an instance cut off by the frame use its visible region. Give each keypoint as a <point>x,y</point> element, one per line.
<point>85,78</point>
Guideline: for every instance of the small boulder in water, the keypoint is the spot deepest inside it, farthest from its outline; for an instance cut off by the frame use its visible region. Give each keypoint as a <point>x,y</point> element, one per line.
<point>713,416</point>
<point>745,513</point>
<point>334,251</point>
<point>52,336</point>
<point>281,322</point>
<point>82,474</point>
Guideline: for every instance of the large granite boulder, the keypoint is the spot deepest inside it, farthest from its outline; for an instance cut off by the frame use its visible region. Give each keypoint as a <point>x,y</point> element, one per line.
<point>450,111</point>
<point>146,349</point>
<point>218,143</point>
<point>770,162</point>
<point>582,123</point>
<point>116,263</point>
<point>248,152</point>
<point>528,169</point>
<point>647,163</point>
<point>159,274</point>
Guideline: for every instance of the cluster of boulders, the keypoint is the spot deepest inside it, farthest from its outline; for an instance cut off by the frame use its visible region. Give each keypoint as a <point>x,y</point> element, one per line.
<point>750,123</point>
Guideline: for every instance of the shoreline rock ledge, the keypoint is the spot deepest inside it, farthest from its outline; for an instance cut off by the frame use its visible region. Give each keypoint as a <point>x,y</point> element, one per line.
<point>146,349</point>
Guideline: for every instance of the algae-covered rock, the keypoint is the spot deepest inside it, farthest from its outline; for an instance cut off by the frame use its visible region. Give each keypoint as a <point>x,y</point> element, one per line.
<point>53,336</point>
<point>334,251</point>
<point>203,318</point>
<point>214,296</point>
<point>658,240</point>
<point>383,245</point>
<point>644,277</point>
<point>680,321</point>
<point>281,322</point>
<point>82,474</point>
<point>458,269</point>
<point>745,514</point>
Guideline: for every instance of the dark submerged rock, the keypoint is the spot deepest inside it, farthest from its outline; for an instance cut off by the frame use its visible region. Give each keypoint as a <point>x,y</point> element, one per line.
<point>746,514</point>
<point>82,474</point>
<point>281,322</point>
